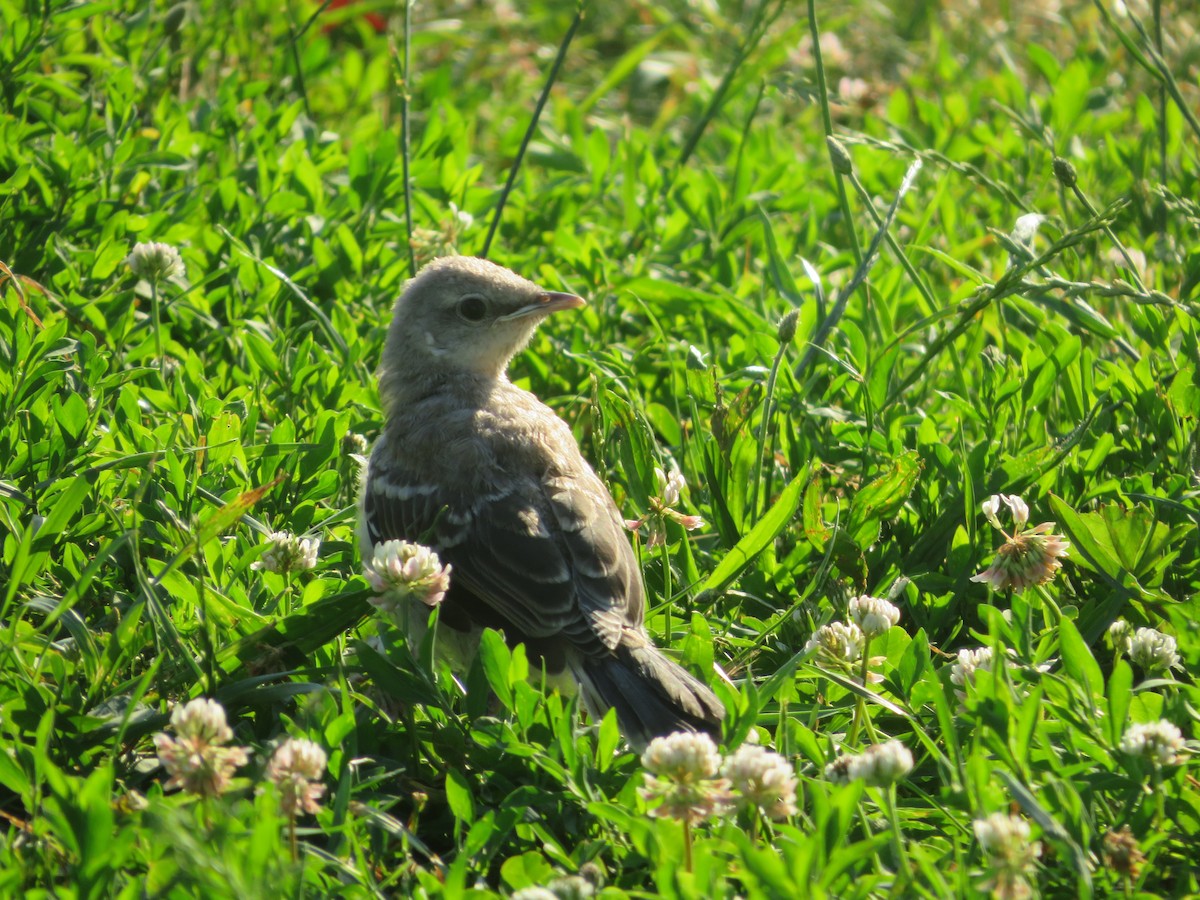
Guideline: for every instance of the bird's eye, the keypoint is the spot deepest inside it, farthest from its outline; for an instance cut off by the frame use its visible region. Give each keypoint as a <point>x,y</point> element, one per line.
<point>472,308</point>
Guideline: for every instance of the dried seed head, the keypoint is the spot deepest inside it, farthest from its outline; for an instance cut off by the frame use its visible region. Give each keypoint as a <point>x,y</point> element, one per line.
<point>1122,854</point>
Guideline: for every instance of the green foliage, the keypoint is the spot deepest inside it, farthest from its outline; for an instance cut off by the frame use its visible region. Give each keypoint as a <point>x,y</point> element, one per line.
<point>679,180</point>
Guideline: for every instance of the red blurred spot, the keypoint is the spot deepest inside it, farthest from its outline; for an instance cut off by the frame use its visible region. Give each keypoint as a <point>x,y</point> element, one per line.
<point>375,20</point>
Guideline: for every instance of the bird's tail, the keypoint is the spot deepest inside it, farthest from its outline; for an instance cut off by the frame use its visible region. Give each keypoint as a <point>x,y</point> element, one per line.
<point>653,695</point>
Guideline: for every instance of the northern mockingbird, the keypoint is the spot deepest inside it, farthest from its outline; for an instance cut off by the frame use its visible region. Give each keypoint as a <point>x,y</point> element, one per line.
<point>493,480</point>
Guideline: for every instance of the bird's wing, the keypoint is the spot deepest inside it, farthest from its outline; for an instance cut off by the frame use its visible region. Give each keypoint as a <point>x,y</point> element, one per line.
<point>548,555</point>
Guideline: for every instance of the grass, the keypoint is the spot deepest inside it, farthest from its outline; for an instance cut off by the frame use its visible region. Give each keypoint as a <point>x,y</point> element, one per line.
<point>153,436</point>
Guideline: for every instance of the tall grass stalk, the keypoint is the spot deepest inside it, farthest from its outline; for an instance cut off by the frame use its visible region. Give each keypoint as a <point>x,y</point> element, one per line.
<point>533,124</point>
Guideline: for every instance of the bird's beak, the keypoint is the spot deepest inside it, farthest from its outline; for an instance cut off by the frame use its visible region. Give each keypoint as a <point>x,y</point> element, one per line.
<point>544,304</point>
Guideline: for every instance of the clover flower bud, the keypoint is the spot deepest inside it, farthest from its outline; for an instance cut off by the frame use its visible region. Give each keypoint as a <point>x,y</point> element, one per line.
<point>287,553</point>
<point>155,261</point>
<point>873,615</point>
<point>1065,172</point>
<point>1120,633</point>
<point>838,642</point>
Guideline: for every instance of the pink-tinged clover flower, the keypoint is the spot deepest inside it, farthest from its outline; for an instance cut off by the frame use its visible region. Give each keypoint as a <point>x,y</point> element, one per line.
<point>401,572</point>
<point>662,507</point>
<point>296,769</point>
<point>196,758</point>
<point>1028,556</point>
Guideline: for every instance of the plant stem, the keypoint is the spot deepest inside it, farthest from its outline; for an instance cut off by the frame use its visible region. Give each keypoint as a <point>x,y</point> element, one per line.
<point>687,846</point>
<point>889,801</point>
<point>1053,615</point>
<point>537,114</point>
<point>666,563</point>
<point>158,340</point>
<point>764,429</point>
<point>406,136</point>
<point>827,124</point>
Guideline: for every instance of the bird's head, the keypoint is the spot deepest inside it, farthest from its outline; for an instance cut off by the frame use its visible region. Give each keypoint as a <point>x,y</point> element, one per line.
<point>462,314</point>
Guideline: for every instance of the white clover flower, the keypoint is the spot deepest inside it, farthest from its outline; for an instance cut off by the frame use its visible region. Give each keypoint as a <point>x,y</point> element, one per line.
<point>879,765</point>
<point>195,759</point>
<point>670,486</point>
<point>840,642</point>
<point>295,769</point>
<point>463,218</point>
<point>1153,651</point>
<point>155,261</point>
<point>288,553</point>
<point>662,507</point>
<point>1120,633</point>
<point>682,755</point>
<point>400,572</point>
<point>681,777</point>
<point>873,615</point>
<point>202,719</point>
<point>1158,742</point>
<point>882,764</point>
<point>1000,833</point>
<point>762,779</point>
<point>1028,556</point>
<point>1011,855</point>
<point>963,671</point>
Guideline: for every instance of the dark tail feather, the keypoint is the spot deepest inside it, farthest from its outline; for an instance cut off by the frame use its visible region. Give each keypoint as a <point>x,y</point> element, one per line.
<point>652,695</point>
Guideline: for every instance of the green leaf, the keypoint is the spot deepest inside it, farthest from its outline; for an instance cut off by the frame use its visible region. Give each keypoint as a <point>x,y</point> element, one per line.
<point>1089,536</point>
<point>766,530</point>
<point>1120,694</point>
<point>1078,660</point>
<point>496,659</point>
<point>883,498</point>
<point>458,796</point>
